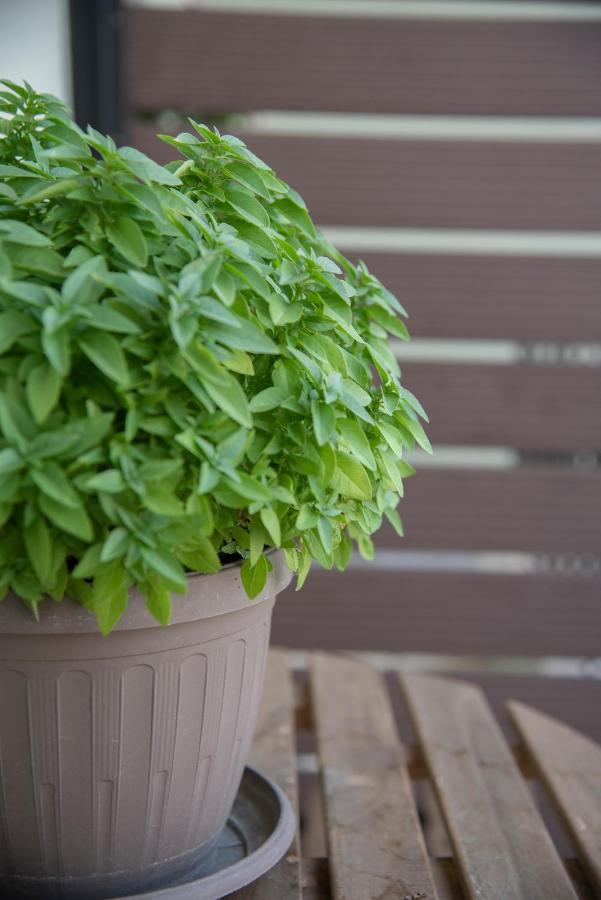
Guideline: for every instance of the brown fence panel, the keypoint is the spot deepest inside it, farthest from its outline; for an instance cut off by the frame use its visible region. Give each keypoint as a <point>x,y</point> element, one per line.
<point>442,612</point>
<point>488,297</point>
<point>202,61</point>
<point>529,407</point>
<point>431,184</point>
<point>538,510</point>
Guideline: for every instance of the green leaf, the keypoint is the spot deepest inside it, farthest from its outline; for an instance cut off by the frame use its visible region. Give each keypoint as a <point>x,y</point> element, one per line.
<point>392,436</point>
<point>158,600</point>
<point>146,169</point>
<point>415,428</point>
<point>20,233</point>
<point>165,564</point>
<point>85,283</point>
<point>283,313</point>
<point>395,520</point>
<point>247,177</point>
<point>414,403</point>
<point>225,288</point>
<point>127,237</point>
<point>254,578</point>
<point>260,240</point>
<point>38,261</point>
<point>199,555</point>
<point>339,312</point>
<point>110,596</point>
<point>116,545</point>
<point>57,349</point>
<point>43,390</point>
<point>90,563</point>
<point>350,478</point>
<point>270,398</point>
<point>162,501</point>
<point>13,325</point>
<point>247,207</point>
<point>110,482</point>
<point>105,352</point>
<point>324,421</point>
<point>52,189</point>
<point>239,361</point>
<point>304,569</point>
<point>55,484</point>
<point>271,522</point>
<point>222,387</point>
<point>257,543</point>
<point>324,529</point>
<point>354,436</point>
<point>247,337</point>
<point>10,461</point>
<point>388,321</point>
<point>229,396</point>
<point>392,471</point>
<point>38,543</point>
<point>73,521</point>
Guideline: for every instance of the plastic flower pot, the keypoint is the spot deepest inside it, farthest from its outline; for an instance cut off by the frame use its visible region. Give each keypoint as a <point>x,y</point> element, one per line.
<point>120,756</point>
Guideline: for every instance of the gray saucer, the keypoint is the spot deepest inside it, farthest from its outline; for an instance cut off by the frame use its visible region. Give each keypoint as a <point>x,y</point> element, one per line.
<point>258,833</point>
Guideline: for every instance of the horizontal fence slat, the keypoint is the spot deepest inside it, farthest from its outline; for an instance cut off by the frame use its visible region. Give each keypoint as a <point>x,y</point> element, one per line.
<point>202,61</point>
<point>430,184</point>
<point>529,407</point>
<point>442,612</point>
<point>488,297</point>
<point>542,510</point>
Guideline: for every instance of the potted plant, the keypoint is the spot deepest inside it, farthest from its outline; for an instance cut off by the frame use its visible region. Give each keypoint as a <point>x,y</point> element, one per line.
<point>197,398</point>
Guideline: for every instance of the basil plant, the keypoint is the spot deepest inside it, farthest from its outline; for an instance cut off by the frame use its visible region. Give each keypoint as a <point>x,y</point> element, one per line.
<point>190,374</point>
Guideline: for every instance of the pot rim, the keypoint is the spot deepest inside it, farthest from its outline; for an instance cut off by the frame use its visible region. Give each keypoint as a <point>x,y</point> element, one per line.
<point>207,596</point>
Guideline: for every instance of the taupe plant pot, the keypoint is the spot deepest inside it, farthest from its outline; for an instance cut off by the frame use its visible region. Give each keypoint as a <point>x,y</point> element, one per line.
<point>120,757</point>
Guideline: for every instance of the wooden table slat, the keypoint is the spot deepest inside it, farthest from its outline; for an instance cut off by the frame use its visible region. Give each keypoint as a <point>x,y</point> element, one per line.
<point>502,846</point>
<point>274,753</point>
<point>570,766</point>
<point>377,849</point>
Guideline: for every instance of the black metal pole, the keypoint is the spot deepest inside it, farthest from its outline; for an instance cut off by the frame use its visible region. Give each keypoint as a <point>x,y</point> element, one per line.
<point>96,37</point>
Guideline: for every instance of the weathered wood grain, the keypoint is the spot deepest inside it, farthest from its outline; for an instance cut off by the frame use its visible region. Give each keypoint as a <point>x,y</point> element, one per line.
<point>501,844</point>
<point>570,766</point>
<point>274,753</point>
<point>377,849</point>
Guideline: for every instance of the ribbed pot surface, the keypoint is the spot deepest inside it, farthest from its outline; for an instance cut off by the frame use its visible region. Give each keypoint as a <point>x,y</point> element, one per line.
<point>120,757</point>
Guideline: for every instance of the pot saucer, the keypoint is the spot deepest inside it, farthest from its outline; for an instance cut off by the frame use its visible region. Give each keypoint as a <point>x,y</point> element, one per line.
<point>258,832</point>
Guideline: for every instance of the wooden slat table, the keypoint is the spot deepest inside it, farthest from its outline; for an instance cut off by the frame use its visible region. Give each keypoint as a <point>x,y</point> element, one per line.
<point>477,833</point>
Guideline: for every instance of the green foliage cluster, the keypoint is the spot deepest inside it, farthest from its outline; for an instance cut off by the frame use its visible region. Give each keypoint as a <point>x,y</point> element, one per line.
<point>188,370</point>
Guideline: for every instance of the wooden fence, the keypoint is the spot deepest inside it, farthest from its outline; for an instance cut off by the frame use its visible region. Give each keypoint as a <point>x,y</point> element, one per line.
<point>539,188</point>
